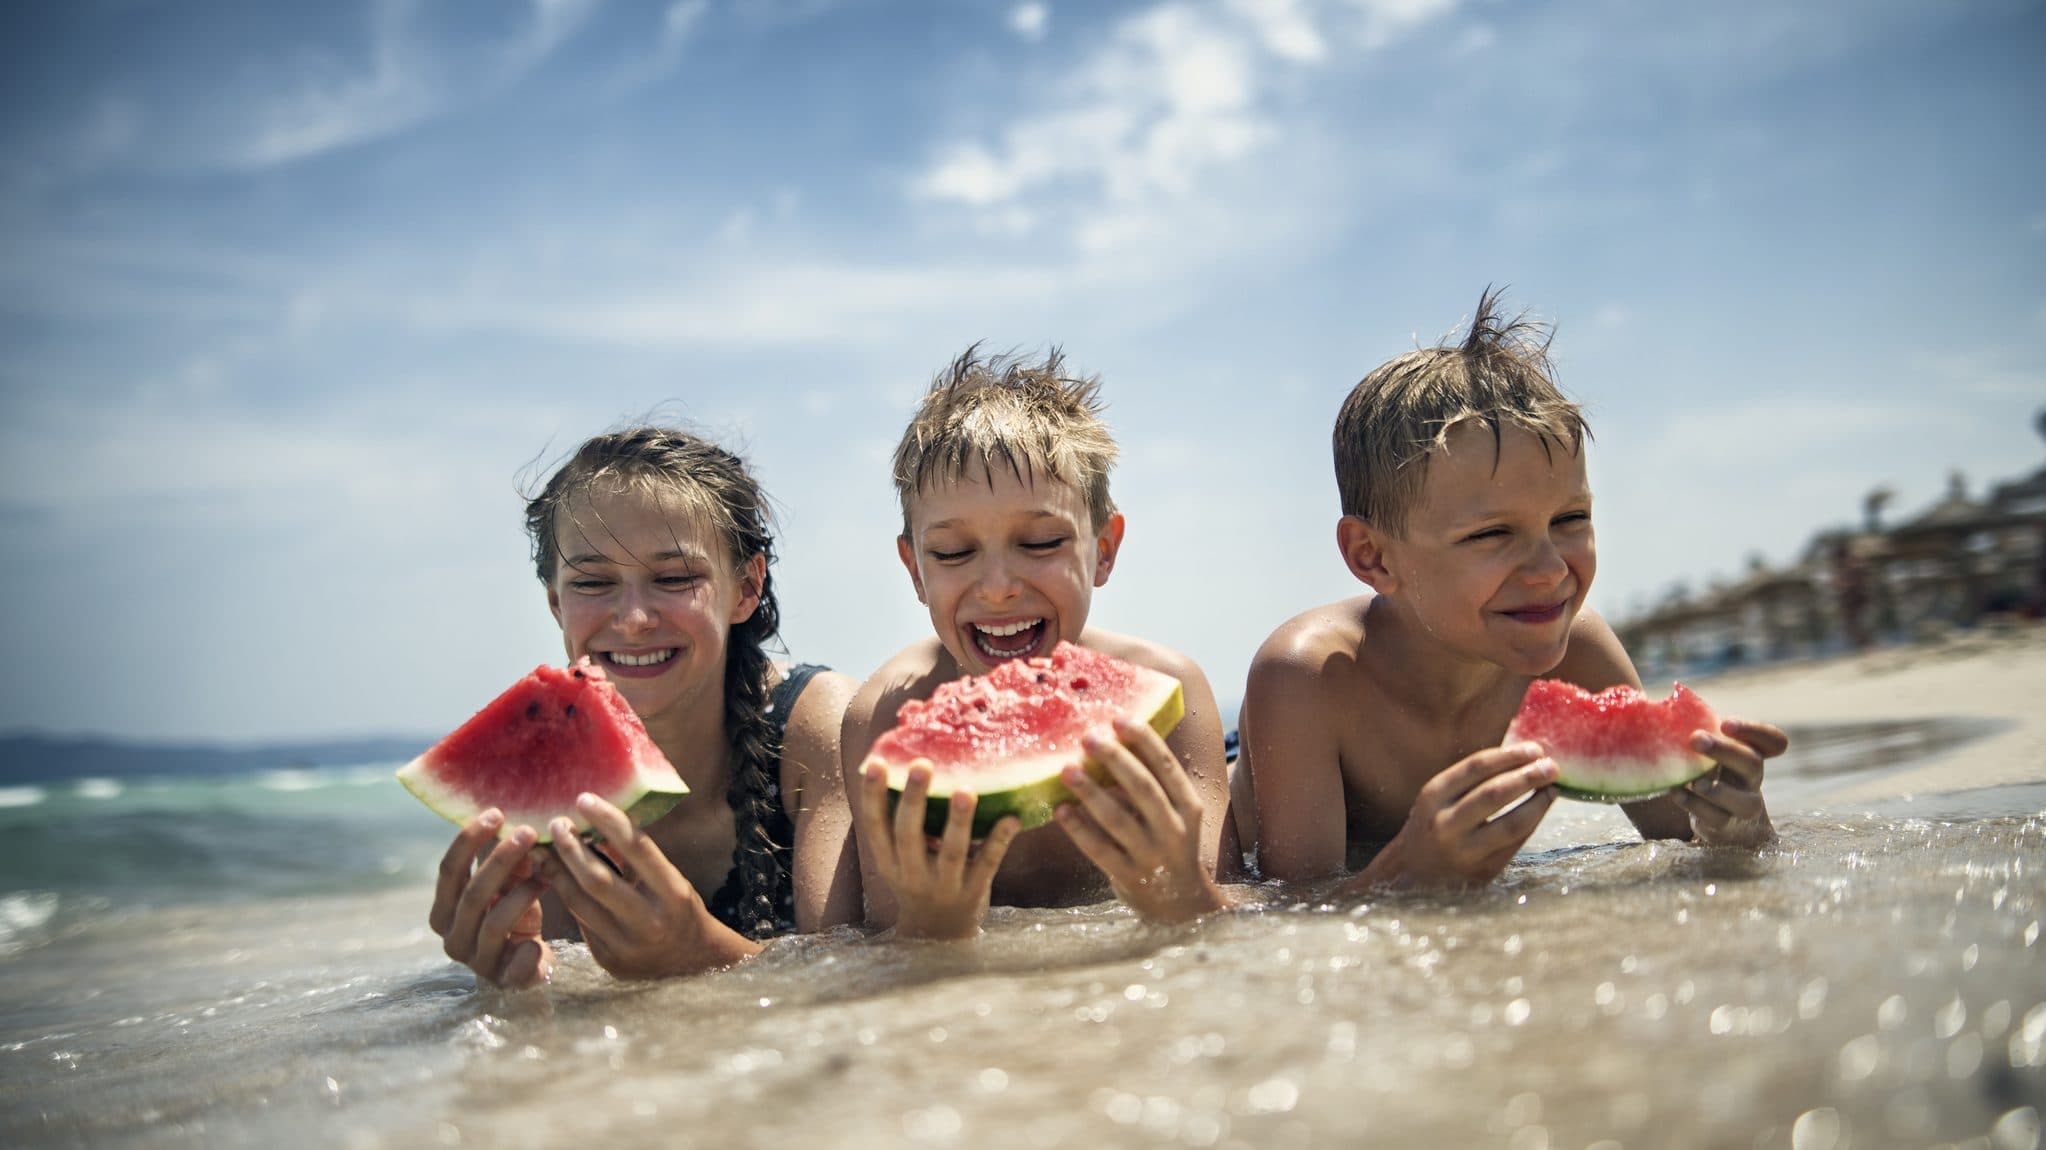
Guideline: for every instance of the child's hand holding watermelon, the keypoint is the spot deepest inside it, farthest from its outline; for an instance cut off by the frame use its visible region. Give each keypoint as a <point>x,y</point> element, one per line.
<point>1725,806</point>
<point>643,919</point>
<point>1145,831</point>
<point>488,916</point>
<point>941,893</point>
<point>1456,834</point>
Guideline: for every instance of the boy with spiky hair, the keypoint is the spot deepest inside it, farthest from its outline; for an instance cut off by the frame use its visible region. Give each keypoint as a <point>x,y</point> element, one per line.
<point>1007,528</point>
<point>1372,724</point>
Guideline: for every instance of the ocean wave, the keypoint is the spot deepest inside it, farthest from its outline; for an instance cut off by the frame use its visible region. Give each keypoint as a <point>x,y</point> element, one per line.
<point>22,916</point>
<point>21,796</point>
<point>97,788</point>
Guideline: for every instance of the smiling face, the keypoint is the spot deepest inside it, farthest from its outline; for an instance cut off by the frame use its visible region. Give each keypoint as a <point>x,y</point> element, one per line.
<point>1498,553</point>
<point>647,591</point>
<point>1007,566</point>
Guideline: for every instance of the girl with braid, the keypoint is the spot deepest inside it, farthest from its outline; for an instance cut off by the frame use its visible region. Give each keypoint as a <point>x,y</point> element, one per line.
<point>655,549</point>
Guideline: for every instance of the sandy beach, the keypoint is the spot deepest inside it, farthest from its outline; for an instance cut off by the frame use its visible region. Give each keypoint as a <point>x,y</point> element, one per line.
<point>1997,674</point>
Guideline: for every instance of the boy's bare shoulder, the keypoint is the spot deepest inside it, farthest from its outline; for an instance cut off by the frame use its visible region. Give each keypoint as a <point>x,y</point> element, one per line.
<point>911,673</point>
<point>1315,645</point>
<point>1144,653</point>
<point>1595,658</point>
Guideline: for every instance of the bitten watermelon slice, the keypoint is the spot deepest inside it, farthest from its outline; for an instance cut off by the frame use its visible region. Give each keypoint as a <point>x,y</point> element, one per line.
<point>1616,746</point>
<point>1006,735</point>
<point>553,735</point>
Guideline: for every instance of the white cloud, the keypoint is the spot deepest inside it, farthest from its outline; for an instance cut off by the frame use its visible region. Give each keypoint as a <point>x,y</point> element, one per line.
<point>1030,21</point>
<point>553,23</point>
<point>329,113</point>
<point>1176,99</point>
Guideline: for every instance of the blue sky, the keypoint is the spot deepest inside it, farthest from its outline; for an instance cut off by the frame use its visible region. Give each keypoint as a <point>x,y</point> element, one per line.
<point>293,295</point>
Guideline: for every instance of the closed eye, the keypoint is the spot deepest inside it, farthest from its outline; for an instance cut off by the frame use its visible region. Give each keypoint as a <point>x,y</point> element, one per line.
<point>1043,545</point>
<point>1572,517</point>
<point>949,556</point>
<point>1487,533</point>
<point>589,584</point>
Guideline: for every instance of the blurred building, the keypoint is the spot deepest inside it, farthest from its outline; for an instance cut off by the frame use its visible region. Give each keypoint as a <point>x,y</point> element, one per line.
<point>1953,564</point>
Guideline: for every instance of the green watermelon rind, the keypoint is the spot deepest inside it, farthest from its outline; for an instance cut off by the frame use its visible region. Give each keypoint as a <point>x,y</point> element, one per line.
<point>1037,790</point>
<point>651,802</point>
<point>1595,783</point>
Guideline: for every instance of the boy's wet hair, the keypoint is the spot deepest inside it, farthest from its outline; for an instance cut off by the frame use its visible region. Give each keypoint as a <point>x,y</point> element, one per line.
<point>702,480</point>
<point>985,412</point>
<point>1498,374</point>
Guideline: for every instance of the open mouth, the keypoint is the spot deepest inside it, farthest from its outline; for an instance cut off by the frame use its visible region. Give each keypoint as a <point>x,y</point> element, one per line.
<point>1546,614</point>
<point>1013,639</point>
<point>637,664</point>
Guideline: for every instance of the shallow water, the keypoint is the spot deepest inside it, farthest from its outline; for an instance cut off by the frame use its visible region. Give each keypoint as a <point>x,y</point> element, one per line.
<point>1875,980</point>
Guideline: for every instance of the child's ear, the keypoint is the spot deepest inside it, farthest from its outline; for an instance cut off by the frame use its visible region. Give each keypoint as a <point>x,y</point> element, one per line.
<point>1106,544</point>
<point>1363,548</point>
<point>916,575</point>
<point>752,577</point>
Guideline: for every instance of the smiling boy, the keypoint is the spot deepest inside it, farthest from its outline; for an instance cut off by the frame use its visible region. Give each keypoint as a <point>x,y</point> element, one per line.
<point>1370,726</point>
<point>1007,530</point>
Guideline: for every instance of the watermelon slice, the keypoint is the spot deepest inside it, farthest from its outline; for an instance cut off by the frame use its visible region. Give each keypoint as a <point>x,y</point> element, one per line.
<point>1006,735</point>
<point>553,735</point>
<point>1618,745</point>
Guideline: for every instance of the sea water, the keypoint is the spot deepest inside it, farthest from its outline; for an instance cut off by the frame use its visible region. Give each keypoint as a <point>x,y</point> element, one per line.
<point>244,962</point>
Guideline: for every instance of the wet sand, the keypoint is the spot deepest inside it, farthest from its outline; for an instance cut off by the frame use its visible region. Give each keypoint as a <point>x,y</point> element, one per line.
<point>1997,675</point>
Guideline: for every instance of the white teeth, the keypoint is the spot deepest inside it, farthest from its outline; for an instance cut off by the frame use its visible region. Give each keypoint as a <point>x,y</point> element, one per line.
<point>1007,629</point>
<point>625,660</point>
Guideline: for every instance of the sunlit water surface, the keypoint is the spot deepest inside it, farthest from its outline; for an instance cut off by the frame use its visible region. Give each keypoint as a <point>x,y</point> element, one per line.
<point>1875,980</point>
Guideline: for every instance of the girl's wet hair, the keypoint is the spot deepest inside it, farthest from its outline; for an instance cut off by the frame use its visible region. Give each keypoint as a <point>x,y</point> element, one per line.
<point>714,485</point>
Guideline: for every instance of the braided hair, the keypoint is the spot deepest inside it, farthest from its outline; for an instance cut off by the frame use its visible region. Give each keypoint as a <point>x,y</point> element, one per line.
<point>715,484</point>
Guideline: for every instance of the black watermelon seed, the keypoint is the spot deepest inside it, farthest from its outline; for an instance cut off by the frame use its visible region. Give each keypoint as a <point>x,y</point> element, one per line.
<point>533,710</point>
<point>571,710</point>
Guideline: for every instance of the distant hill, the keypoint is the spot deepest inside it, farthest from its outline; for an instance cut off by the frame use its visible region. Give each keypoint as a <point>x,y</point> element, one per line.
<point>27,757</point>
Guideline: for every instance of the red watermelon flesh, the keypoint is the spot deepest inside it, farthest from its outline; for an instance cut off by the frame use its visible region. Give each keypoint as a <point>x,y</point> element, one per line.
<point>1618,745</point>
<point>553,735</point>
<point>1007,734</point>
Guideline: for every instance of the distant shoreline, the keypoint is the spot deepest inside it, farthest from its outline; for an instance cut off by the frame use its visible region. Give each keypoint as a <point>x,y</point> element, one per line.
<point>36,758</point>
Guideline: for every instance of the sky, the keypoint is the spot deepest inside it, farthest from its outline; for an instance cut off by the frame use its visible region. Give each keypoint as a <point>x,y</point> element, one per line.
<point>296,299</point>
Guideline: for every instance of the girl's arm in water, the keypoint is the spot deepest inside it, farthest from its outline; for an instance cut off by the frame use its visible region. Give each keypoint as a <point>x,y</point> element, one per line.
<point>827,864</point>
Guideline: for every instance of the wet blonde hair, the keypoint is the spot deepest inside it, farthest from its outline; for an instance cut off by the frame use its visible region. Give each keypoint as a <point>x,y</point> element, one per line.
<point>1032,418</point>
<point>1498,375</point>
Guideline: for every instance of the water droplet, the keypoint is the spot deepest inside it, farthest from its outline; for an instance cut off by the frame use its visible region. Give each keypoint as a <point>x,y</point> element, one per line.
<point>1604,994</point>
<point>1512,945</point>
<point>1970,956</point>
<point>1891,1013</point>
<point>1516,1012</point>
<point>1860,1057</point>
<point>993,1080</point>
<point>2032,932</point>
<point>1996,1018</point>
<point>1816,1130</point>
<point>1529,1138</point>
<point>1722,1020</point>
<point>1950,1018</point>
<point>1273,1096</point>
<point>2016,1130</point>
<point>1812,999</point>
<point>1523,1109</point>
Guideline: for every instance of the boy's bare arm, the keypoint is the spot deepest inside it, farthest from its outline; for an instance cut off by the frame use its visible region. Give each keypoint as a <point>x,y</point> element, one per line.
<point>1197,743</point>
<point>1292,749</point>
<point>857,732</point>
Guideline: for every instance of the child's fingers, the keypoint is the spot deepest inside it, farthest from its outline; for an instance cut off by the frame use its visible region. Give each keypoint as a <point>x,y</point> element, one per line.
<point>643,862</point>
<point>1134,778</point>
<point>1505,834</point>
<point>1705,815</point>
<point>980,873</point>
<point>1737,802</point>
<point>1100,848</point>
<point>526,964</point>
<point>957,839</point>
<point>1452,784</point>
<point>870,820</point>
<point>595,919</point>
<point>1734,757</point>
<point>457,865</point>
<point>494,932</point>
<point>597,881</point>
<point>1104,806</point>
<point>1151,748</point>
<point>911,856</point>
<point>482,892</point>
<point>1486,799</point>
<point>1767,739</point>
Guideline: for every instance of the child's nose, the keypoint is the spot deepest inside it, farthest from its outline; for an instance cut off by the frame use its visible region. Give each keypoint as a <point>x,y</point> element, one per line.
<point>997,582</point>
<point>1545,565</point>
<point>634,613</point>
